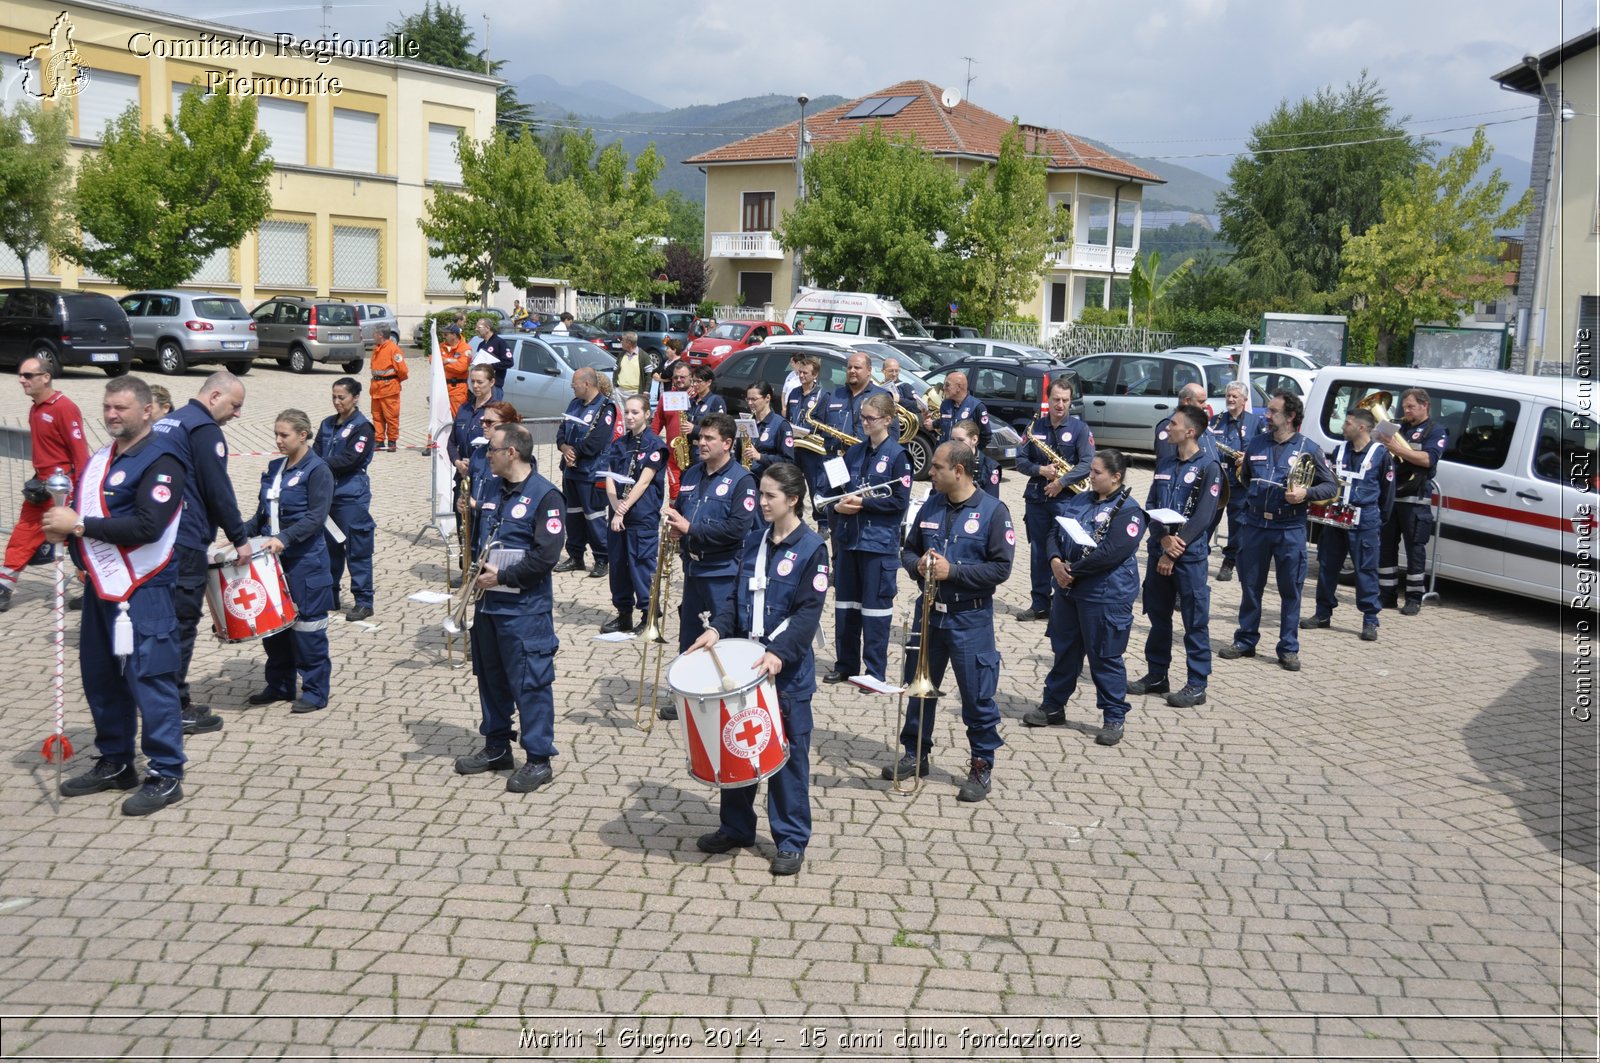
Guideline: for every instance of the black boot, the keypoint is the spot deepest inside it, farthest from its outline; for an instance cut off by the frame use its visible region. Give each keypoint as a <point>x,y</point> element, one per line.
<point>623,621</point>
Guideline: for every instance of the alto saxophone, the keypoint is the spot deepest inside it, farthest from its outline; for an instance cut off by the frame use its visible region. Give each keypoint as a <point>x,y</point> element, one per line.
<point>1077,486</point>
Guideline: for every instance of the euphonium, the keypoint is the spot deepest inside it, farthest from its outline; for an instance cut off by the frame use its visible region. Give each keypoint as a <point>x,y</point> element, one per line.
<point>1077,486</point>
<point>910,424</point>
<point>1303,473</point>
<point>1378,404</point>
<point>459,615</point>
<point>644,714</point>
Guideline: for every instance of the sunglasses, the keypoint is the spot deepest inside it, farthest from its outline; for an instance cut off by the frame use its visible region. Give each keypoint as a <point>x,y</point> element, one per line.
<point>31,376</point>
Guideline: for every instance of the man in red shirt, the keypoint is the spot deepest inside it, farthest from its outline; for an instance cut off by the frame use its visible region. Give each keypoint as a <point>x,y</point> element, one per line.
<point>57,428</point>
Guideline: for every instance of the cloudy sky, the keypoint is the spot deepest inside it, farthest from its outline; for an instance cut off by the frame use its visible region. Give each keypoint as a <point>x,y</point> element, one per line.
<point>1173,78</point>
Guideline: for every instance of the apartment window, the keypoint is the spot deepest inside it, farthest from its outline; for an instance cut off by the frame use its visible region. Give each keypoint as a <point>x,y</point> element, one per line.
<point>1127,224</point>
<point>355,140</point>
<point>283,254</point>
<point>357,255</point>
<point>757,216</point>
<point>1094,220</point>
<point>438,279</point>
<point>217,269</point>
<point>1061,205</point>
<point>11,265</point>
<point>103,99</point>
<point>284,122</point>
<point>11,75</point>
<point>756,288</point>
<point>442,162</point>
<point>1058,302</point>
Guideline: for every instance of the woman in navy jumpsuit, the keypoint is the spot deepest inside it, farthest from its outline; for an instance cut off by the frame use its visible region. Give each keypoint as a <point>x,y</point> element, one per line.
<point>296,491</point>
<point>345,443</point>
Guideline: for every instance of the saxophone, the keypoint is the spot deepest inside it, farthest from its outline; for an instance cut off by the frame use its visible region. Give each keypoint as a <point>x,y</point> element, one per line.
<point>828,430</point>
<point>1077,486</point>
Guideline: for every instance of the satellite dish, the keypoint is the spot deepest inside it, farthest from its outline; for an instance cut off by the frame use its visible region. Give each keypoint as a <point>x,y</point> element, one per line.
<point>950,98</point>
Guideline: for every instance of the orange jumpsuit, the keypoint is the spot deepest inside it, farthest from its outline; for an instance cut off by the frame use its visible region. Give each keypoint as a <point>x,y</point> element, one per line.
<point>457,362</point>
<point>388,371</point>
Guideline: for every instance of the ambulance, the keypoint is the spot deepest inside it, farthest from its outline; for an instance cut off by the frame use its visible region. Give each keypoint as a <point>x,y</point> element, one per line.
<point>852,314</point>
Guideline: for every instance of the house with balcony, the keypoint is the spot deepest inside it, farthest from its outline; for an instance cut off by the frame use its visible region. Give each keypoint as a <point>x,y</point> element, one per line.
<point>751,182</point>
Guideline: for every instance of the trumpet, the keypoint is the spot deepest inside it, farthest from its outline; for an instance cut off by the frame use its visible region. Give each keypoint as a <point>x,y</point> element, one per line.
<point>644,713</point>
<point>458,617</point>
<point>1077,486</point>
<point>882,490</point>
<point>921,686</point>
<point>828,430</point>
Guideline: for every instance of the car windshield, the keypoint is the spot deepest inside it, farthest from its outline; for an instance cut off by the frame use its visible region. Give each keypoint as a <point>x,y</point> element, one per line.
<point>336,314</point>
<point>1218,377</point>
<point>583,353</point>
<point>728,330</point>
<point>679,322</point>
<point>907,327</point>
<point>221,309</point>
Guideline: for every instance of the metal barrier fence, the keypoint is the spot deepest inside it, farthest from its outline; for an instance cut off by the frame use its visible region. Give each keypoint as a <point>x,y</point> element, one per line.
<point>16,467</point>
<point>1071,341</point>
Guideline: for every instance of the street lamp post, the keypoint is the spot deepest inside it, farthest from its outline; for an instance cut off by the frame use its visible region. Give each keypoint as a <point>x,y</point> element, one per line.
<point>800,182</point>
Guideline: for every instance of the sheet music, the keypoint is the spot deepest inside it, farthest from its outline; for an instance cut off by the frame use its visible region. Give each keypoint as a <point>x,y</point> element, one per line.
<point>502,558</point>
<point>1166,516</point>
<point>877,686</point>
<point>1384,429</point>
<point>618,478</point>
<point>837,472</point>
<point>1075,531</point>
<point>675,401</point>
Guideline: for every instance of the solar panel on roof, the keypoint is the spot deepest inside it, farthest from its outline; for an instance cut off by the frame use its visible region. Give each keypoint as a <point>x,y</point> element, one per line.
<point>867,106</point>
<point>892,106</point>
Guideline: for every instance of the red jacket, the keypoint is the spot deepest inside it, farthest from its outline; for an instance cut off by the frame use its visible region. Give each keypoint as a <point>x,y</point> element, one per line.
<point>57,428</point>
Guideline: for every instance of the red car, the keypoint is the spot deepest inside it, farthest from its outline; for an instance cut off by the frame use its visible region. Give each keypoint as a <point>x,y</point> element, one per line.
<point>731,336</point>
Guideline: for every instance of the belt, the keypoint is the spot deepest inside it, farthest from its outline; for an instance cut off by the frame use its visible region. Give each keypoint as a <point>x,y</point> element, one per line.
<point>957,608</point>
<point>727,555</point>
<point>383,376</point>
<point>455,380</point>
<point>1279,516</point>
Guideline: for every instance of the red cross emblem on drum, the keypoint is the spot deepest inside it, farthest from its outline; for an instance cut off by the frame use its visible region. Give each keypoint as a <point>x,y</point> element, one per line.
<point>246,598</point>
<point>748,733</point>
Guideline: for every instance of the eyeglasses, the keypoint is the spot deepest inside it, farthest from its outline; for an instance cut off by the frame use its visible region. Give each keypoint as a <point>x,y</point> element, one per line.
<point>867,418</point>
<point>31,376</point>
<point>494,450</point>
<point>488,423</point>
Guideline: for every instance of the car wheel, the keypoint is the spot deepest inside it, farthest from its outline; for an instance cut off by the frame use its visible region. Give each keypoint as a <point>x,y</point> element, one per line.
<point>920,453</point>
<point>241,368</point>
<point>300,360</point>
<point>47,360</point>
<point>353,365</point>
<point>169,356</point>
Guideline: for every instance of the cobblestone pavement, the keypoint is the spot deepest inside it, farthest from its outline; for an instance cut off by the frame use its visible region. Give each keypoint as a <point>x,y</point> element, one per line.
<point>1390,854</point>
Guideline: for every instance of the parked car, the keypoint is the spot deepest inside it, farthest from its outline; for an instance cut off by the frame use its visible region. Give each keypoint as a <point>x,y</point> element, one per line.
<point>64,329</point>
<point>1126,394</point>
<point>373,316</point>
<point>950,332</point>
<point>299,333</point>
<point>177,329</point>
<point>878,350</point>
<point>1516,490</point>
<point>927,353</point>
<point>730,336</point>
<point>984,347</point>
<point>653,327</point>
<point>1268,357</point>
<point>770,362</point>
<point>539,382</point>
<point>1295,381</point>
<point>419,335</point>
<point>1014,393</point>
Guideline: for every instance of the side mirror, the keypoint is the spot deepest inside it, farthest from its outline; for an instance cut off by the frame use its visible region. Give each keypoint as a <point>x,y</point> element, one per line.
<point>548,369</point>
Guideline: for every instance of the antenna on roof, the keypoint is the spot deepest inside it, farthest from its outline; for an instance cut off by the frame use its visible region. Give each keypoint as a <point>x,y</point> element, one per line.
<point>970,79</point>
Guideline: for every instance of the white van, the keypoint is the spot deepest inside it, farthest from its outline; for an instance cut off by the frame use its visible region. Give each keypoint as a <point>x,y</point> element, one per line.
<point>1517,482</point>
<point>852,314</point>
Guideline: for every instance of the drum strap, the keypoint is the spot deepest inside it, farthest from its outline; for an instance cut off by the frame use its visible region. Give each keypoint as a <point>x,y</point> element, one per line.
<point>758,589</point>
<point>1354,474</point>
<point>272,500</point>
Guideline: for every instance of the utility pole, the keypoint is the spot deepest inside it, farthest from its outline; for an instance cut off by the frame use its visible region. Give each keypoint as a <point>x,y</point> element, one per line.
<point>800,180</point>
<point>486,68</point>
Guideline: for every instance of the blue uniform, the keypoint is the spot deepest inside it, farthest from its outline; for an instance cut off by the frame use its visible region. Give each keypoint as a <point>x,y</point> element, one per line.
<point>790,587</point>
<point>905,395</point>
<point>209,503</point>
<point>1092,617</point>
<point>1166,451</point>
<point>513,630</point>
<point>698,411</point>
<point>1073,441</point>
<point>143,489</point>
<point>1235,433</point>
<point>466,431</point>
<point>305,493</point>
<point>588,429</point>
<point>1275,531</point>
<point>1369,475</point>
<point>633,550</point>
<point>498,349</point>
<point>1412,518</point>
<point>1191,488</point>
<point>989,475</point>
<point>799,406</point>
<point>347,448</point>
<point>720,508</point>
<point>866,546</point>
<point>842,410</point>
<point>774,443</point>
<point>968,409</point>
<point>977,538</point>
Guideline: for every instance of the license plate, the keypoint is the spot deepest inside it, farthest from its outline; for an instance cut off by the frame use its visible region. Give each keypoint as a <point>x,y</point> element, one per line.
<point>346,352</point>
<point>233,345</point>
<point>103,356</point>
<point>1011,452</point>
<point>340,337</point>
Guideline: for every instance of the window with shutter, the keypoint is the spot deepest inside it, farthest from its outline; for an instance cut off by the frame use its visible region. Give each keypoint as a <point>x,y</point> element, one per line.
<point>355,140</point>
<point>283,253</point>
<point>356,257</point>
<point>442,162</point>
<point>284,123</point>
<point>103,99</point>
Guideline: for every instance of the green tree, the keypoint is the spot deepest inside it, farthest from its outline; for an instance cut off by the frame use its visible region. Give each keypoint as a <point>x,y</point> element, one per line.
<point>686,219</point>
<point>34,180</point>
<point>156,203</point>
<point>874,219</point>
<point>443,39</point>
<point>504,214</point>
<point>1433,253</point>
<point>614,242</point>
<point>1150,287</point>
<point>1314,169</point>
<point>1005,232</point>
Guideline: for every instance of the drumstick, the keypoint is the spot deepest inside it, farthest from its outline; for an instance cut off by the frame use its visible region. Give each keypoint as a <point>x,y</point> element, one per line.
<point>728,682</point>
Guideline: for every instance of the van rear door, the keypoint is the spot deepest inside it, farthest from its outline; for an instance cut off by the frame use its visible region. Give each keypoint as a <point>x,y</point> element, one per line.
<point>1546,499</point>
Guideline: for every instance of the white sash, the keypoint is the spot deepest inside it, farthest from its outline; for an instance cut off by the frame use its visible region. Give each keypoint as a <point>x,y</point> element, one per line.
<point>758,589</point>
<point>1352,475</point>
<point>118,571</point>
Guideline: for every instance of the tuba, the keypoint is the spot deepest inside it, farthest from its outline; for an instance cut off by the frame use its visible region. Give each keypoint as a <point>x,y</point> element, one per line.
<point>1378,404</point>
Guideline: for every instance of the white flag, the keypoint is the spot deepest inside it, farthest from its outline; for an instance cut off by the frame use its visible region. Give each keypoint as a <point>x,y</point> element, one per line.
<point>440,420</point>
<point>1244,375</point>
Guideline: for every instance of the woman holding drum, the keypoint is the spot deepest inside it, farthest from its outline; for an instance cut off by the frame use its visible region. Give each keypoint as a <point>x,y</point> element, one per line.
<point>296,491</point>
<point>777,605</point>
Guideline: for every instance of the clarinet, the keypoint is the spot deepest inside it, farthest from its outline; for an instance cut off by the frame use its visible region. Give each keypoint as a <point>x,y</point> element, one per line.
<point>1102,531</point>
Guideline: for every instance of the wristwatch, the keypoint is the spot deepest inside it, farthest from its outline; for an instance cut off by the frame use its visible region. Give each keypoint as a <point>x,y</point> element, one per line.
<point>77,529</point>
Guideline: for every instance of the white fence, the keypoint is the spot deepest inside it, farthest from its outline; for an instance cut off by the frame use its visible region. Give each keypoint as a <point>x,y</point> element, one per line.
<point>1071,341</point>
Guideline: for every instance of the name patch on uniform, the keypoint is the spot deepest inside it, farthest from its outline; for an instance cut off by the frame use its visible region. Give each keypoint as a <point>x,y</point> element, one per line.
<point>785,567</point>
<point>928,524</point>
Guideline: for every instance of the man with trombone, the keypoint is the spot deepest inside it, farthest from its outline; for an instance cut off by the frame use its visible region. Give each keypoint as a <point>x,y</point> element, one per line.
<point>1055,458</point>
<point>866,542</point>
<point>520,534</point>
<point>634,468</point>
<point>960,549</point>
<point>585,432</point>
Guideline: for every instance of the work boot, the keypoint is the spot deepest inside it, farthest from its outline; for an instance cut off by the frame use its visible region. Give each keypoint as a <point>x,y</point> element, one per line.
<point>909,764</point>
<point>570,564</point>
<point>360,612</point>
<point>838,675</point>
<point>1187,698</point>
<point>1150,684</point>
<point>717,843</point>
<point>623,621</point>
<point>1369,632</point>
<point>978,783</point>
<point>667,712</point>
<point>199,720</point>
<point>5,598</point>
<point>157,793</point>
<point>1233,651</point>
<point>1289,662</point>
<point>787,863</point>
<point>1109,735</point>
<point>530,777</point>
<point>267,697</point>
<point>485,759</point>
<point>106,774</point>
<point>1411,608</point>
<point>1033,614</point>
<point>1316,620</point>
<point>1041,718</point>
<point>1225,573</point>
<point>600,571</point>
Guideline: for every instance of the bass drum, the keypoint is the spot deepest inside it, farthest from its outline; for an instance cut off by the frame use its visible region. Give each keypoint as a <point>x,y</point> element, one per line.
<point>733,737</point>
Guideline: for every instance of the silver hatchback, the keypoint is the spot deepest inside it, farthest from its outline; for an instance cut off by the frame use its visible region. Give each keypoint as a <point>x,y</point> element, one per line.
<point>539,382</point>
<point>176,329</point>
<point>1126,394</point>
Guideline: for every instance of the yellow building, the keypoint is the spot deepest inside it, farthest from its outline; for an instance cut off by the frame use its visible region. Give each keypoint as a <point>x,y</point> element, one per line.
<point>751,182</point>
<point>359,137</point>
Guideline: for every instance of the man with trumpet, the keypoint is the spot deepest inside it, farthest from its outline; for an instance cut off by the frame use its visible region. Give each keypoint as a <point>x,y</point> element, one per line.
<point>1231,432</point>
<point>520,534</point>
<point>1416,447</point>
<point>1055,458</point>
<point>866,543</point>
<point>960,549</point>
<point>714,513</point>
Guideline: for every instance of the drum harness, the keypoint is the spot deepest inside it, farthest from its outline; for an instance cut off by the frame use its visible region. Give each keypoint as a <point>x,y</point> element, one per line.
<point>758,591</point>
<point>275,491</point>
<point>1347,477</point>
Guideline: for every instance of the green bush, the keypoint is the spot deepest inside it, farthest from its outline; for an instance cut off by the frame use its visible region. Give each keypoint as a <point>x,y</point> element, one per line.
<point>1217,327</point>
<point>1099,315</point>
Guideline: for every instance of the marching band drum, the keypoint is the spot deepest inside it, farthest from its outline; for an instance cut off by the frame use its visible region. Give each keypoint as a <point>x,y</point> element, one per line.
<point>250,600</point>
<point>732,730</point>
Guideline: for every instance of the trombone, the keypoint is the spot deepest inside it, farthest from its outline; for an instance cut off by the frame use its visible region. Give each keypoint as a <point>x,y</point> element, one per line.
<point>921,686</point>
<point>644,713</point>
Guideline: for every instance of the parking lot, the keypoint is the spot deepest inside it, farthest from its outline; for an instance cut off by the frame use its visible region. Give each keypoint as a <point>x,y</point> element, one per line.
<point>1389,854</point>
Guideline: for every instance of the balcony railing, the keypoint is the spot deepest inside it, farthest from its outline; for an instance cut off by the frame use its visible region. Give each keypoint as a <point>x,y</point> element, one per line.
<point>1095,257</point>
<point>745,245</point>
